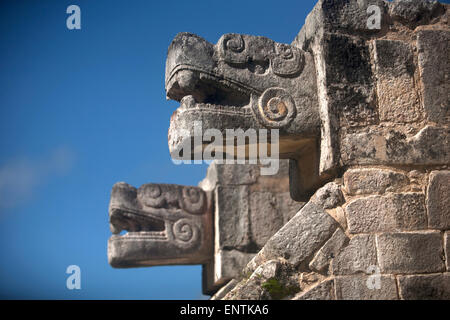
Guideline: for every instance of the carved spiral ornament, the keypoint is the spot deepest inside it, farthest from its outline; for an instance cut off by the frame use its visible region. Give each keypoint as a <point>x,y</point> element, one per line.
<point>232,47</point>
<point>288,60</point>
<point>285,51</point>
<point>193,200</point>
<point>234,43</point>
<point>185,231</point>
<point>152,196</point>
<point>276,108</point>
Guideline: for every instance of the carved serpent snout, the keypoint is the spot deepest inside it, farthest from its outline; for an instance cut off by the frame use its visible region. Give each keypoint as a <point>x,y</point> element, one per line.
<point>165,224</point>
<point>243,81</point>
<point>248,83</point>
<point>253,77</point>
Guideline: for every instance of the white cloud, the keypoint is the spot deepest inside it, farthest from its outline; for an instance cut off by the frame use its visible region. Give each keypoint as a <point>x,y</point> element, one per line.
<point>20,177</point>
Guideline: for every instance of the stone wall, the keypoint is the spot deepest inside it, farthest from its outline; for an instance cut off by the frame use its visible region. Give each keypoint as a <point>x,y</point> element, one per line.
<point>380,229</point>
<point>249,209</point>
<point>378,233</point>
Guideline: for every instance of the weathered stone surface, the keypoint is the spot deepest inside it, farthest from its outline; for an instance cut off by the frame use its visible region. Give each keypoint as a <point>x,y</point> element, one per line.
<point>273,279</point>
<point>321,291</point>
<point>438,200</point>
<point>229,264</point>
<point>276,183</point>
<point>255,262</point>
<point>247,218</point>
<point>329,196</point>
<point>339,215</point>
<point>309,279</point>
<point>412,252</point>
<point>224,290</point>
<point>431,145</point>
<point>425,286</point>
<point>249,209</point>
<point>329,250</point>
<point>398,100</point>
<point>393,212</point>
<point>166,224</point>
<point>434,64</point>
<point>236,87</point>
<point>342,17</point>
<point>265,217</point>
<point>348,63</point>
<point>371,180</point>
<point>414,11</point>
<point>246,174</point>
<point>359,256</point>
<point>305,233</point>
<point>232,217</point>
<point>214,83</point>
<point>287,206</point>
<point>223,174</point>
<point>447,249</point>
<point>247,290</point>
<point>360,287</point>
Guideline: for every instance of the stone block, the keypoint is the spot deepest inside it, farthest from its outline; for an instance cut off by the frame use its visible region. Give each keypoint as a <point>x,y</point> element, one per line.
<point>359,256</point>
<point>434,64</point>
<point>350,83</point>
<point>360,287</point>
<point>425,286</point>
<point>234,175</point>
<point>265,217</point>
<point>392,212</point>
<point>329,250</point>
<point>232,217</point>
<point>303,235</point>
<point>411,252</point>
<point>348,16</point>
<point>287,206</point>
<point>414,11</point>
<point>438,200</point>
<point>339,215</point>
<point>329,196</point>
<point>370,181</point>
<point>274,279</point>
<point>277,183</point>
<point>321,291</point>
<point>398,100</point>
<point>428,146</point>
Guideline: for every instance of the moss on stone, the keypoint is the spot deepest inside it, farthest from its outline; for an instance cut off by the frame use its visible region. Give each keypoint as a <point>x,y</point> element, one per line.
<point>277,290</point>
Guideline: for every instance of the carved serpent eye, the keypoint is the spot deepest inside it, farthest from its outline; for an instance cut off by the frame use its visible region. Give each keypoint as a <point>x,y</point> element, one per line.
<point>285,51</point>
<point>232,48</point>
<point>288,60</point>
<point>193,200</point>
<point>234,43</point>
<point>275,108</point>
<point>151,195</point>
<point>153,191</point>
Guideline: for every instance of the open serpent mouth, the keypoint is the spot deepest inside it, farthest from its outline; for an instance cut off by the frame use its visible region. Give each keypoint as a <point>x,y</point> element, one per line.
<point>204,90</point>
<point>136,224</point>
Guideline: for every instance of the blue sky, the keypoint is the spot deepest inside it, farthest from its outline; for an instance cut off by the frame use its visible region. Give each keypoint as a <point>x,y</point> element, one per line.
<point>83,109</point>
